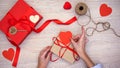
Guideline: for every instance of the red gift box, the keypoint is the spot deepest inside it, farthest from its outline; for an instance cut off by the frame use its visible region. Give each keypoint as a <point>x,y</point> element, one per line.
<point>19,22</point>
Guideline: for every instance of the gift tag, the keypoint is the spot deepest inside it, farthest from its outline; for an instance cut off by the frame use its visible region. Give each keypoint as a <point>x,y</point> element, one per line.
<point>12,30</point>
<point>34,18</point>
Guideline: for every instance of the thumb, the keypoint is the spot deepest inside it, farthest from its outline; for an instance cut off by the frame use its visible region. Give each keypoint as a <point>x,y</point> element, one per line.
<point>74,43</point>
<point>83,32</point>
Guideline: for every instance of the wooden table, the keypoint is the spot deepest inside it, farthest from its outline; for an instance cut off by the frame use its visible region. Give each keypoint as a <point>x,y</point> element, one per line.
<point>102,47</point>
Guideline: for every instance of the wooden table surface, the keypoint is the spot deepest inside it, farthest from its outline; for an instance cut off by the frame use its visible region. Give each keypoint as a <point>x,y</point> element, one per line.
<point>102,47</point>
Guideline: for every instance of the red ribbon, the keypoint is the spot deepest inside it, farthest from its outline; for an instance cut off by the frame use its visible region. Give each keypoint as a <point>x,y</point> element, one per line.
<point>58,43</point>
<point>13,22</point>
<point>16,57</point>
<point>55,21</point>
<point>15,61</point>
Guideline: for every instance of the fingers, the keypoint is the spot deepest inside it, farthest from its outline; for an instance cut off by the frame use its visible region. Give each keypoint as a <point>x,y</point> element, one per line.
<point>48,55</point>
<point>43,50</point>
<point>76,38</point>
<point>87,40</point>
<point>83,32</point>
<point>45,54</point>
<point>82,38</point>
<point>74,43</point>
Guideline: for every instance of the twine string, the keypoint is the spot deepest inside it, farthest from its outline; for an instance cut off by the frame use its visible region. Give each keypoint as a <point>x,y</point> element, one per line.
<point>105,25</point>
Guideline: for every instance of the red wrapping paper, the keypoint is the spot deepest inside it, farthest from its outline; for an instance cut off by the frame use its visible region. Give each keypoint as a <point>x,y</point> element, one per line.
<point>18,24</point>
<point>19,17</point>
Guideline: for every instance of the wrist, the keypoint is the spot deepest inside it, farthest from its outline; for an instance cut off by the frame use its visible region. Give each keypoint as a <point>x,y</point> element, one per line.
<point>42,66</point>
<point>83,55</point>
<point>88,61</point>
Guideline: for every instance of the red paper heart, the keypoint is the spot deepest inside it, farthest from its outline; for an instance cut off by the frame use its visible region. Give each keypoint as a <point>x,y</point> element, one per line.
<point>8,54</point>
<point>65,37</point>
<point>67,5</point>
<point>105,10</point>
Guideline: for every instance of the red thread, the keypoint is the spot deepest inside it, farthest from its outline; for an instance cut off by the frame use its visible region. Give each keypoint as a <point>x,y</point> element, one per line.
<point>58,43</point>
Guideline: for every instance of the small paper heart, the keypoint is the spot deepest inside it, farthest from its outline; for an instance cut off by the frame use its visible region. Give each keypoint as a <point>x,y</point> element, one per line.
<point>65,37</point>
<point>67,5</point>
<point>8,54</point>
<point>105,10</point>
<point>34,18</point>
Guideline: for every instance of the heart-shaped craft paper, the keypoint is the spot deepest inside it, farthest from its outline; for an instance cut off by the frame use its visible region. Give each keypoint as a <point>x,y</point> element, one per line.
<point>105,10</point>
<point>34,18</point>
<point>67,5</point>
<point>65,37</point>
<point>8,54</point>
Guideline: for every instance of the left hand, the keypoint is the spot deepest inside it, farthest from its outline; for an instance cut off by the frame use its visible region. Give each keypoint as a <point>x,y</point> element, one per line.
<point>44,57</point>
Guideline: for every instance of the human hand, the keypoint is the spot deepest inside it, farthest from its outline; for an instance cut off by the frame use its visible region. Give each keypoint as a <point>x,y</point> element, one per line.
<point>79,42</point>
<point>44,57</point>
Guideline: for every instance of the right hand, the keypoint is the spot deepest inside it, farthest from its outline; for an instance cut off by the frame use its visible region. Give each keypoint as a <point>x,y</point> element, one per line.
<point>79,42</point>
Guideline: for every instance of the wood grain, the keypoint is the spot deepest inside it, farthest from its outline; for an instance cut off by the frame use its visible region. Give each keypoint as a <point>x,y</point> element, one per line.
<point>102,47</point>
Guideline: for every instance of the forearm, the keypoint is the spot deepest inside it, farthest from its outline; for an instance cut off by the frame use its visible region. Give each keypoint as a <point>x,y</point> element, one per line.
<point>40,66</point>
<point>88,61</point>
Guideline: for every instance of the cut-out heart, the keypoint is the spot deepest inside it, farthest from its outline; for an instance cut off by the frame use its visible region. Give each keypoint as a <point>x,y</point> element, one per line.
<point>65,37</point>
<point>8,54</point>
<point>67,5</point>
<point>34,18</point>
<point>105,10</point>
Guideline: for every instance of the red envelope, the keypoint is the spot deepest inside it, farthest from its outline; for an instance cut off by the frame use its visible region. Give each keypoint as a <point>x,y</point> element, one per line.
<point>19,22</point>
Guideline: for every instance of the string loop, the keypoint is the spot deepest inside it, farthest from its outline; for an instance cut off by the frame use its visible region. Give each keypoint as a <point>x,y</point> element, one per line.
<point>105,25</point>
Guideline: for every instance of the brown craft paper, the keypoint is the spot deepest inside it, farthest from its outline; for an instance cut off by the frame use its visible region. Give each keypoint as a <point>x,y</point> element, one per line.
<point>68,55</point>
